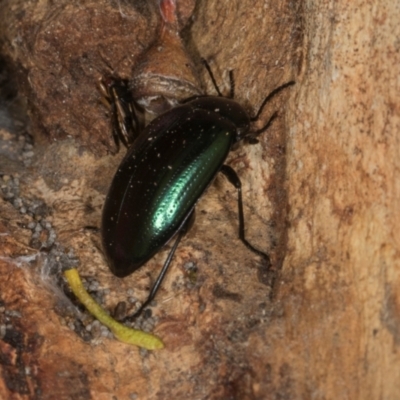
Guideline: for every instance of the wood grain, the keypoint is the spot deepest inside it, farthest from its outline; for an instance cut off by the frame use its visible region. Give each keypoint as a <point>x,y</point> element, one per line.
<point>321,195</point>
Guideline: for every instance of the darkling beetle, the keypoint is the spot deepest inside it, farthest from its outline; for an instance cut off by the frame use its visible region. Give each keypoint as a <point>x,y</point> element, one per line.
<point>166,170</point>
<point>127,116</point>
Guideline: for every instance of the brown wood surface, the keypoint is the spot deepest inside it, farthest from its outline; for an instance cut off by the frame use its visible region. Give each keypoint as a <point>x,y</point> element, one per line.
<point>321,196</point>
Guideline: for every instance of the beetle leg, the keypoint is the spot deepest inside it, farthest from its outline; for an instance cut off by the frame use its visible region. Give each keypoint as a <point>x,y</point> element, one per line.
<point>211,76</point>
<point>233,178</point>
<point>231,80</point>
<point>232,84</point>
<point>184,229</point>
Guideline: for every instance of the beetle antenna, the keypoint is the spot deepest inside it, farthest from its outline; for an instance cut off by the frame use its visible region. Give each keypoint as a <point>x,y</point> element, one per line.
<point>268,124</point>
<point>211,76</point>
<point>268,98</point>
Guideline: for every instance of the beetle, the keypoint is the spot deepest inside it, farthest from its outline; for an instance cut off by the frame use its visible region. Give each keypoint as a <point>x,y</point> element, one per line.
<point>165,171</point>
<point>127,116</point>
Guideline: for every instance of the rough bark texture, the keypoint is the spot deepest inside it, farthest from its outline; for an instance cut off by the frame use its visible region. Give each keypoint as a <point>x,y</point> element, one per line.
<point>320,191</point>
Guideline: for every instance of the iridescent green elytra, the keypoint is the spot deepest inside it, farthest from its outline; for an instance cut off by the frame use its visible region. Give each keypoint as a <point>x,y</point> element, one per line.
<point>163,175</point>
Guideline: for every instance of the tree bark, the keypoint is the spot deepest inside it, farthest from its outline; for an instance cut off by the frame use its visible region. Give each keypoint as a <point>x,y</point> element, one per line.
<point>341,271</point>
<point>320,191</point>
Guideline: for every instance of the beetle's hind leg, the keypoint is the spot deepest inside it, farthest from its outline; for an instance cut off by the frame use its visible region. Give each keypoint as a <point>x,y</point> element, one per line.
<point>184,229</point>
<point>233,178</point>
